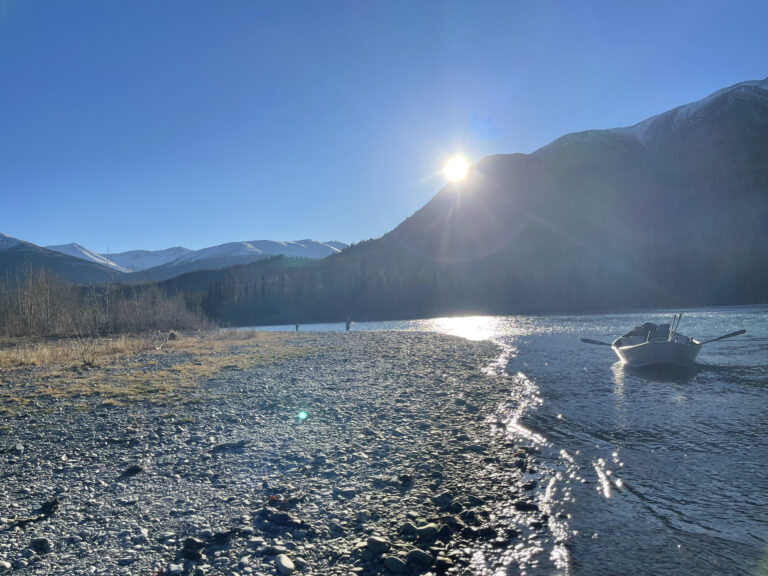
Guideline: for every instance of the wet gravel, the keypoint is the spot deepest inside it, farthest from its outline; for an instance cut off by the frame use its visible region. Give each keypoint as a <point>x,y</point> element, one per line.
<point>398,468</point>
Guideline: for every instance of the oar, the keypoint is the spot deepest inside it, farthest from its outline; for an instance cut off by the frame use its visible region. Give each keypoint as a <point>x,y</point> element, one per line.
<point>588,341</point>
<point>731,335</point>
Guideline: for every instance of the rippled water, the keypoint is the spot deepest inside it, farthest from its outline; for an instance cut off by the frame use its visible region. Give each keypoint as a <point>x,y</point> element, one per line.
<point>642,472</point>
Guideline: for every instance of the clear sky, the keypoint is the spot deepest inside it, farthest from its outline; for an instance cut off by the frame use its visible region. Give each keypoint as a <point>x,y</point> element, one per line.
<point>149,124</point>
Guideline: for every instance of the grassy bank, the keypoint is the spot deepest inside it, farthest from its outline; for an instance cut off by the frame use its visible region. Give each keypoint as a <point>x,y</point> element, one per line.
<point>165,369</point>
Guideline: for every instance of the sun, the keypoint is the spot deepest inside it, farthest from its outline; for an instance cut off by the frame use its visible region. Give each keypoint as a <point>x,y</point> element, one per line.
<point>456,168</point>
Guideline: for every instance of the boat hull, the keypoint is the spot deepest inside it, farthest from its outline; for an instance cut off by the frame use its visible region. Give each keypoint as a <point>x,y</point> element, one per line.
<point>658,353</point>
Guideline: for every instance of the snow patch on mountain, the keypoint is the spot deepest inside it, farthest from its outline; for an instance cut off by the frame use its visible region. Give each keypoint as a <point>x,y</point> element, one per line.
<point>8,242</point>
<point>262,249</point>
<point>643,131</point>
<point>138,260</point>
<point>84,253</point>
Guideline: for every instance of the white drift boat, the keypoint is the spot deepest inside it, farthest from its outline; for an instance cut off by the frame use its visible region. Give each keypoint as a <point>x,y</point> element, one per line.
<point>657,344</point>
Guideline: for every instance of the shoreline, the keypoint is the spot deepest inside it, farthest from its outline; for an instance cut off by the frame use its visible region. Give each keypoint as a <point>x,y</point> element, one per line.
<point>401,466</point>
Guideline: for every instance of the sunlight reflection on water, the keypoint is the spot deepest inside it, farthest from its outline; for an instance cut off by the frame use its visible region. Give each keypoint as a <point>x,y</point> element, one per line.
<point>470,327</point>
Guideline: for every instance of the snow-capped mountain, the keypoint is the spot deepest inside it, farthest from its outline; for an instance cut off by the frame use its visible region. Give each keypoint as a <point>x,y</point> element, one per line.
<point>137,260</point>
<point>18,258</point>
<point>666,125</point>
<point>69,260</point>
<point>84,253</point>
<point>678,117</point>
<point>140,260</point>
<point>262,248</point>
<point>234,253</point>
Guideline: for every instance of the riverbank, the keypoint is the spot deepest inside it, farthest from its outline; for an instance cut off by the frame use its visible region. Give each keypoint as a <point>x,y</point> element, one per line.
<point>395,468</point>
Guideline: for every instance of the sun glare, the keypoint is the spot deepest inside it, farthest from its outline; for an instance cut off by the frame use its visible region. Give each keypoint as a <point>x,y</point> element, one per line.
<point>456,169</point>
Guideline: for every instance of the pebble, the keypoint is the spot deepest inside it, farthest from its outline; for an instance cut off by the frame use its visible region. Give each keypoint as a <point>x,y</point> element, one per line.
<point>427,531</point>
<point>394,564</point>
<point>284,565</point>
<point>419,557</point>
<point>41,545</point>
<point>377,544</point>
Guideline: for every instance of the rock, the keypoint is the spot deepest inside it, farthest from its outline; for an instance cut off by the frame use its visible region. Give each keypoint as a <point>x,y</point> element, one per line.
<point>378,545</point>
<point>236,447</point>
<point>394,564</point>
<point>18,449</point>
<point>4,566</point>
<point>475,500</point>
<point>427,531</point>
<point>175,569</point>
<point>132,471</point>
<point>41,545</point>
<point>284,565</point>
<point>524,506</point>
<point>408,528</point>
<point>283,519</point>
<point>443,563</point>
<point>272,550</point>
<point>337,529</point>
<point>444,532</point>
<point>191,549</point>
<point>443,500</point>
<point>345,491</point>
<point>419,557</point>
<point>470,517</point>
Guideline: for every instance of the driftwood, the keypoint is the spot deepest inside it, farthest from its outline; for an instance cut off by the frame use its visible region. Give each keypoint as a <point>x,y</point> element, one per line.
<point>46,510</point>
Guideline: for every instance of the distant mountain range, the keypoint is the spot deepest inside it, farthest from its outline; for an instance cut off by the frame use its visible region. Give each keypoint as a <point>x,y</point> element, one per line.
<point>672,211</point>
<point>77,263</point>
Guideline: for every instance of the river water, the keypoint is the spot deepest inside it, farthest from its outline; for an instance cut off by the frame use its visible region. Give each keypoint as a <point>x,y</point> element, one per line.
<point>641,472</point>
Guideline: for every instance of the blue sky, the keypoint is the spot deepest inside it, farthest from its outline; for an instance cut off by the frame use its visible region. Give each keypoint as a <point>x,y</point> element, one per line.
<point>145,124</point>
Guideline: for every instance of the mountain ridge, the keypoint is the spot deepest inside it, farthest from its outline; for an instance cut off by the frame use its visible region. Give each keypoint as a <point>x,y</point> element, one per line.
<point>144,265</point>
<point>594,220</point>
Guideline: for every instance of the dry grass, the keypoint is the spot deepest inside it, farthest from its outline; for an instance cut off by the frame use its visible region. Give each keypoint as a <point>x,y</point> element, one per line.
<point>74,351</point>
<point>126,369</point>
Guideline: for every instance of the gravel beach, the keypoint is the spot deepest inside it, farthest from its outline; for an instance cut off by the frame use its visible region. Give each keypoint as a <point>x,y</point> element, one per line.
<point>369,453</point>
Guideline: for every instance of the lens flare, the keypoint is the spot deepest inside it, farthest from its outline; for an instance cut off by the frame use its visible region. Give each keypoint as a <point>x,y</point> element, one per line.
<point>456,169</point>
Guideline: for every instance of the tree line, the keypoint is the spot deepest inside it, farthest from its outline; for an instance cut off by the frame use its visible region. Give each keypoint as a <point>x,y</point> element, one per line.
<point>38,303</point>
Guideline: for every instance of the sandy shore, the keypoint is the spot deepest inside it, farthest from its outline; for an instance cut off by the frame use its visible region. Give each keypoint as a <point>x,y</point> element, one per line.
<point>400,466</point>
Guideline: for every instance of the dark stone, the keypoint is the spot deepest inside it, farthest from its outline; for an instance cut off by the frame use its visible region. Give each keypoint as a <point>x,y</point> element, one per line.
<point>238,446</point>
<point>487,532</point>
<point>132,471</point>
<point>394,564</point>
<point>445,532</point>
<point>41,545</point>
<point>523,506</point>
<point>191,549</point>
<point>419,557</point>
